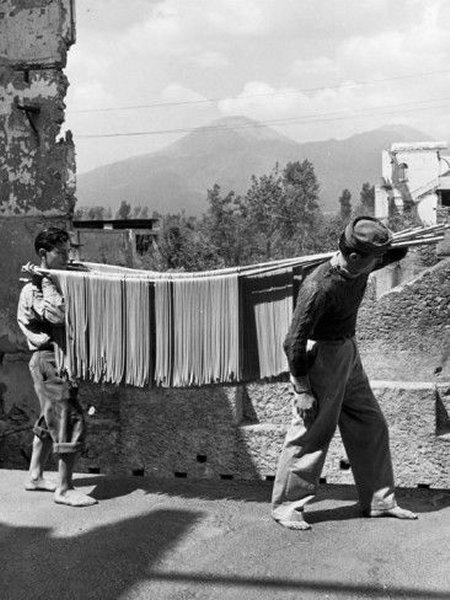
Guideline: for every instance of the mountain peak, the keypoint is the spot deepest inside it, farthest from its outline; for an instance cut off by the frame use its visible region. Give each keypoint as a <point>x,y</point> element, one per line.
<point>250,128</point>
<point>228,131</point>
<point>229,151</point>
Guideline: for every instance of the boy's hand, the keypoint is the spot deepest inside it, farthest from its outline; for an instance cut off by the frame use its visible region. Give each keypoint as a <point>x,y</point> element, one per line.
<point>33,271</point>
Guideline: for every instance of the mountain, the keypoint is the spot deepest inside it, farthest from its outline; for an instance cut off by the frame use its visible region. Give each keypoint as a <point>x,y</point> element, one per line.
<point>228,152</point>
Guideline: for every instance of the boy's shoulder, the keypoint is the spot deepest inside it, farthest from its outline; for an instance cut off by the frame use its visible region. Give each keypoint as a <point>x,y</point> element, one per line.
<point>28,292</point>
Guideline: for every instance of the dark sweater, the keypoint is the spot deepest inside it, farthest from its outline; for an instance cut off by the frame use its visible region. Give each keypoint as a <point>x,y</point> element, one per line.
<point>327,308</point>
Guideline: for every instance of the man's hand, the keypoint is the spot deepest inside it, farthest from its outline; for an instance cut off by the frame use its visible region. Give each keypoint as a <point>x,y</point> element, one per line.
<point>306,406</point>
<point>304,401</point>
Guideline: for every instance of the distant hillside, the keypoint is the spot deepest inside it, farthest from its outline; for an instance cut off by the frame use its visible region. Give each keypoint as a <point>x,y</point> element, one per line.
<point>228,152</point>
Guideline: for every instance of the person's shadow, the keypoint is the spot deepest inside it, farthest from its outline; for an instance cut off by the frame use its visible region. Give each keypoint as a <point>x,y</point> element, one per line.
<point>100,564</point>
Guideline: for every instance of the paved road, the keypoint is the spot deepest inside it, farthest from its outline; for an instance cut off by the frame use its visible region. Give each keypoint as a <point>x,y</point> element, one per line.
<point>182,541</point>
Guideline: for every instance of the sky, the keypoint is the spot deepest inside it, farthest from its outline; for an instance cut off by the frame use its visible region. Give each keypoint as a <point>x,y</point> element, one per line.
<point>312,69</point>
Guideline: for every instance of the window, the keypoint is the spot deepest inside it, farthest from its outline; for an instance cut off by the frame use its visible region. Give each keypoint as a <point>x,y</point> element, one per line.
<point>402,172</point>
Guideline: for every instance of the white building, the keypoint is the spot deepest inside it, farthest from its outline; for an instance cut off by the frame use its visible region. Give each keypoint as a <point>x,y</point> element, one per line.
<point>416,173</point>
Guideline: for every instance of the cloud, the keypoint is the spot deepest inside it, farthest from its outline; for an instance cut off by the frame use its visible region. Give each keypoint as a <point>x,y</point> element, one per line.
<point>175,92</point>
<point>259,100</point>
<point>267,59</point>
<point>209,59</point>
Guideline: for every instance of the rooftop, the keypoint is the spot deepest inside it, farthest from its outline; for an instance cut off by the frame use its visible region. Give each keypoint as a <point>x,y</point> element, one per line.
<point>115,223</point>
<point>149,539</point>
<point>413,146</point>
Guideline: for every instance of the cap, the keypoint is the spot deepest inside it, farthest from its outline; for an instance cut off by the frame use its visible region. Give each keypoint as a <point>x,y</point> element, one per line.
<point>368,235</point>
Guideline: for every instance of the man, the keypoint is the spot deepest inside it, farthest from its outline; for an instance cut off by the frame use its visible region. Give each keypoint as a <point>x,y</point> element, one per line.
<point>41,317</point>
<point>330,385</point>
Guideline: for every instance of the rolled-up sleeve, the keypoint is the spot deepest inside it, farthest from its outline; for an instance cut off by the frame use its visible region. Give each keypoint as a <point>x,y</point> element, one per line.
<point>51,306</point>
<point>29,321</point>
<point>311,303</point>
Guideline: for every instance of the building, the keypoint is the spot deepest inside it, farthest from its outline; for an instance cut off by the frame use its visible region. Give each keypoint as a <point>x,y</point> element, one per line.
<point>415,173</point>
<point>114,241</point>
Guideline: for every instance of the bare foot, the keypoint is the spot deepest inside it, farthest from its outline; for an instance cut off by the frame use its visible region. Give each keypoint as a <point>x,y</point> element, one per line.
<point>70,498</point>
<point>40,485</point>
<point>397,512</point>
<point>296,521</point>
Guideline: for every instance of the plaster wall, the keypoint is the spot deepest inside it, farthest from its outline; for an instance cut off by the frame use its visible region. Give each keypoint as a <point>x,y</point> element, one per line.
<point>381,203</point>
<point>423,168</point>
<point>386,165</point>
<point>427,208</point>
<point>37,170</point>
<point>36,32</point>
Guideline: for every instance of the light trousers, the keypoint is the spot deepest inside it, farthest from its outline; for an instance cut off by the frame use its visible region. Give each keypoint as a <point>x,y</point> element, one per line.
<point>344,399</point>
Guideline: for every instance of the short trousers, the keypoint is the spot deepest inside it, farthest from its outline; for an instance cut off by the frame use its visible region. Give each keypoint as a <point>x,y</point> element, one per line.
<point>61,416</point>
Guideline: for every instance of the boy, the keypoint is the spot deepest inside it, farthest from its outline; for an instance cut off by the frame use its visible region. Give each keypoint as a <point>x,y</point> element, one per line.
<point>330,385</point>
<point>41,317</point>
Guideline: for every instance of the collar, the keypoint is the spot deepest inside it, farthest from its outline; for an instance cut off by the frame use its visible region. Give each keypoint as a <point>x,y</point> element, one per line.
<point>334,260</point>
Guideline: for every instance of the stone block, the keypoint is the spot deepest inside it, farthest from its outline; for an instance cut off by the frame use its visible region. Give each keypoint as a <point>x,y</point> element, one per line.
<point>36,32</point>
<point>269,402</point>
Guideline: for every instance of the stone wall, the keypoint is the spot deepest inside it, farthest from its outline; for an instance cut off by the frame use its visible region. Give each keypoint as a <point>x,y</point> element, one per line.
<point>402,334</point>
<point>225,432</point>
<point>236,432</point>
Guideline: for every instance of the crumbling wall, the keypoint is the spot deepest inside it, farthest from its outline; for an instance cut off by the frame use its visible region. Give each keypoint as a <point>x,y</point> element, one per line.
<point>37,176</point>
<point>402,334</point>
<point>37,171</point>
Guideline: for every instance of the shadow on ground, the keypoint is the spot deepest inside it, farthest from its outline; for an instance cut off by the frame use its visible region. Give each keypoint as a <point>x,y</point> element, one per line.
<point>106,562</point>
<point>417,500</point>
<point>102,563</point>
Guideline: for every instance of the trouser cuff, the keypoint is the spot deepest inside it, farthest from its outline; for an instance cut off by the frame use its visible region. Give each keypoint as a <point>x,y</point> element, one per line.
<point>66,447</point>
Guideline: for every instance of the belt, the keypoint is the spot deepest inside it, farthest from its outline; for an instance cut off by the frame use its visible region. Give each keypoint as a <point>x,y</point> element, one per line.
<point>43,349</point>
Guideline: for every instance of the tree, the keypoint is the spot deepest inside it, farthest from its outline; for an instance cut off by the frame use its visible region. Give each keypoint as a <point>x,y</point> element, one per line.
<point>264,212</point>
<point>345,210</point>
<point>366,206</point>
<point>302,213</point>
<point>221,229</point>
<point>179,246</point>
<point>281,212</point>
<point>329,232</point>
<point>78,214</point>
<point>96,213</point>
<point>124,210</point>
<point>278,217</point>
